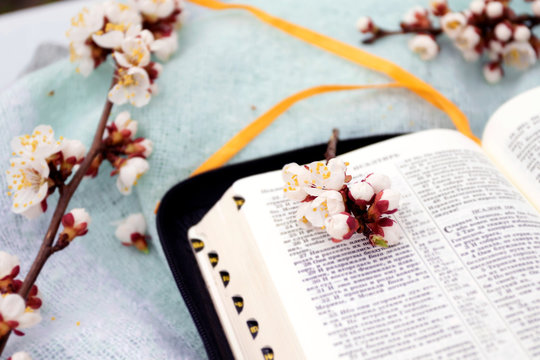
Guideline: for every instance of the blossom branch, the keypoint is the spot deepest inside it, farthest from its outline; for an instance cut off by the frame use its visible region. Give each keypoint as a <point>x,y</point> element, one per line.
<point>382,33</point>
<point>332,145</point>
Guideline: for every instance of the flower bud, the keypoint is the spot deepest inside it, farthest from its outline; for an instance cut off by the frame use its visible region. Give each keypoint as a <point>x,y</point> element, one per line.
<point>416,17</point>
<point>131,232</point>
<point>140,147</point>
<point>122,129</point>
<point>21,355</point>
<point>536,7</point>
<point>439,7</point>
<point>386,202</point>
<point>503,31</point>
<point>477,7</point>
<point>9,265</point>
<point>425,46</point>
<point>391,235</point>
<point>361,193</point>
<point>493,73</point>
<point>378,182</point>
<point>341,226</point>
<point>365,25</point>
<point>75,224</point>
<point>129,173</point>
<point>522,33</point>
<point>494,9</point>
<point>73,151</point>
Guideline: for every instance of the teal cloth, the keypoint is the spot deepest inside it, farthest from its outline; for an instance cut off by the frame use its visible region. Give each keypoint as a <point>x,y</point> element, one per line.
<point>126,302</point>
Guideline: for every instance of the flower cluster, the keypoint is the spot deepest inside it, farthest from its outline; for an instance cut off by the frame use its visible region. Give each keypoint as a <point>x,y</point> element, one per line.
<point>131,231</point>
<point>126,153</point>
<point>131,33</point>
<point>39,165</point>
<point>489,29</point>
<point>328,201</point>
<point>15,313</point>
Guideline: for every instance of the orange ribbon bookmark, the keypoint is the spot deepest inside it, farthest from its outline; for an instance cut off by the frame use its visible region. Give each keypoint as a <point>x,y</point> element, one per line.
<point>402,79</point>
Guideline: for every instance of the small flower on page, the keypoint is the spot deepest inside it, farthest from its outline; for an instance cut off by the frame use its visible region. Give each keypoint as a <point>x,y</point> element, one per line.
<point>325,204</point>
<point>21,355</point>
<point>295,179</point>
<point>378,182</point>
<point>130,172</point>
<point>14,315</point>
<point>386,236</point>
<point>425,46</point>
<point>361,193</point>
<point>477,7</point>
<point>341,226</point>
<point>133,85</point>
<point>132,232</point>
<point>329,176</point>
<point>28,185</point>
<point>520,55</point>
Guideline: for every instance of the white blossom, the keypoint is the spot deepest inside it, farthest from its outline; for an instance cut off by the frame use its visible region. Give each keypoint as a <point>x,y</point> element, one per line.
<point>453,23</point>
<point>14,314</point>
<point>132,85</point>
<point>83,26</point>
<point>392,197</point>
<point>148,147</point>
<point>503,32</point>
<point>494,9</point>
<point>133,224</point>
<point>412,15</point>
<point>361,191</point>
<point>123,21</point>
<point>536,7</point>
<point>21,355</point>
<point>327,203</point>
<point>156,9</point>
<point>329,176</point>
<point>477,7</point>
<point>135,51</point>
<point>28,185</point>
<point>130,172</point>
<point>123,122</point>
<point>468,38</point>
<point>522,33</point>
<point>520,55</point>
<point>364,24</point>
<point>392,234</point>
<point>378,182</point>
<point>492,74</point>
<point>425,46</point>
<point>8,263</point>
<point>341,226</point>
<point>39,145</point>
<point>295,179</point>
<point>164,47</point>
<point>470,55</point>
<point>80,217</point>
<point>73,149</point>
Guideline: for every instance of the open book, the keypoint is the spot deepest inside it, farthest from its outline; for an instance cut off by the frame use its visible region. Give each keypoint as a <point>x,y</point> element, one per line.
<point>463,283</point>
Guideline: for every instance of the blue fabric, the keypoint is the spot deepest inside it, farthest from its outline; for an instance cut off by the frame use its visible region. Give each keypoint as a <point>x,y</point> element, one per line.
<point>126,302</point>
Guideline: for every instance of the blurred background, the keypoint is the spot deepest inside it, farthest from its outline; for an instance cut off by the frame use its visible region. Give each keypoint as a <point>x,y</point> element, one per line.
<point>12,5</point>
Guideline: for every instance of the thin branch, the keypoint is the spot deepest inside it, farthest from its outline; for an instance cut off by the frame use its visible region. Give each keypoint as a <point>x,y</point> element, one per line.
<point>67,191</point>
<point>381,33</point>
<point>332,145</point>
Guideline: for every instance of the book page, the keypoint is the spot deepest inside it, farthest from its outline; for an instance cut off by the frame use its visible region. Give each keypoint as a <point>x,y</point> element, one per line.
<point>512,140</point>
<point>464,282</point>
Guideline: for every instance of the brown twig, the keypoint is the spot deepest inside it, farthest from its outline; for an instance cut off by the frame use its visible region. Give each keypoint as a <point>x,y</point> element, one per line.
<point>381,33</point>
<point>47,249</point>
<point>332,145</point>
